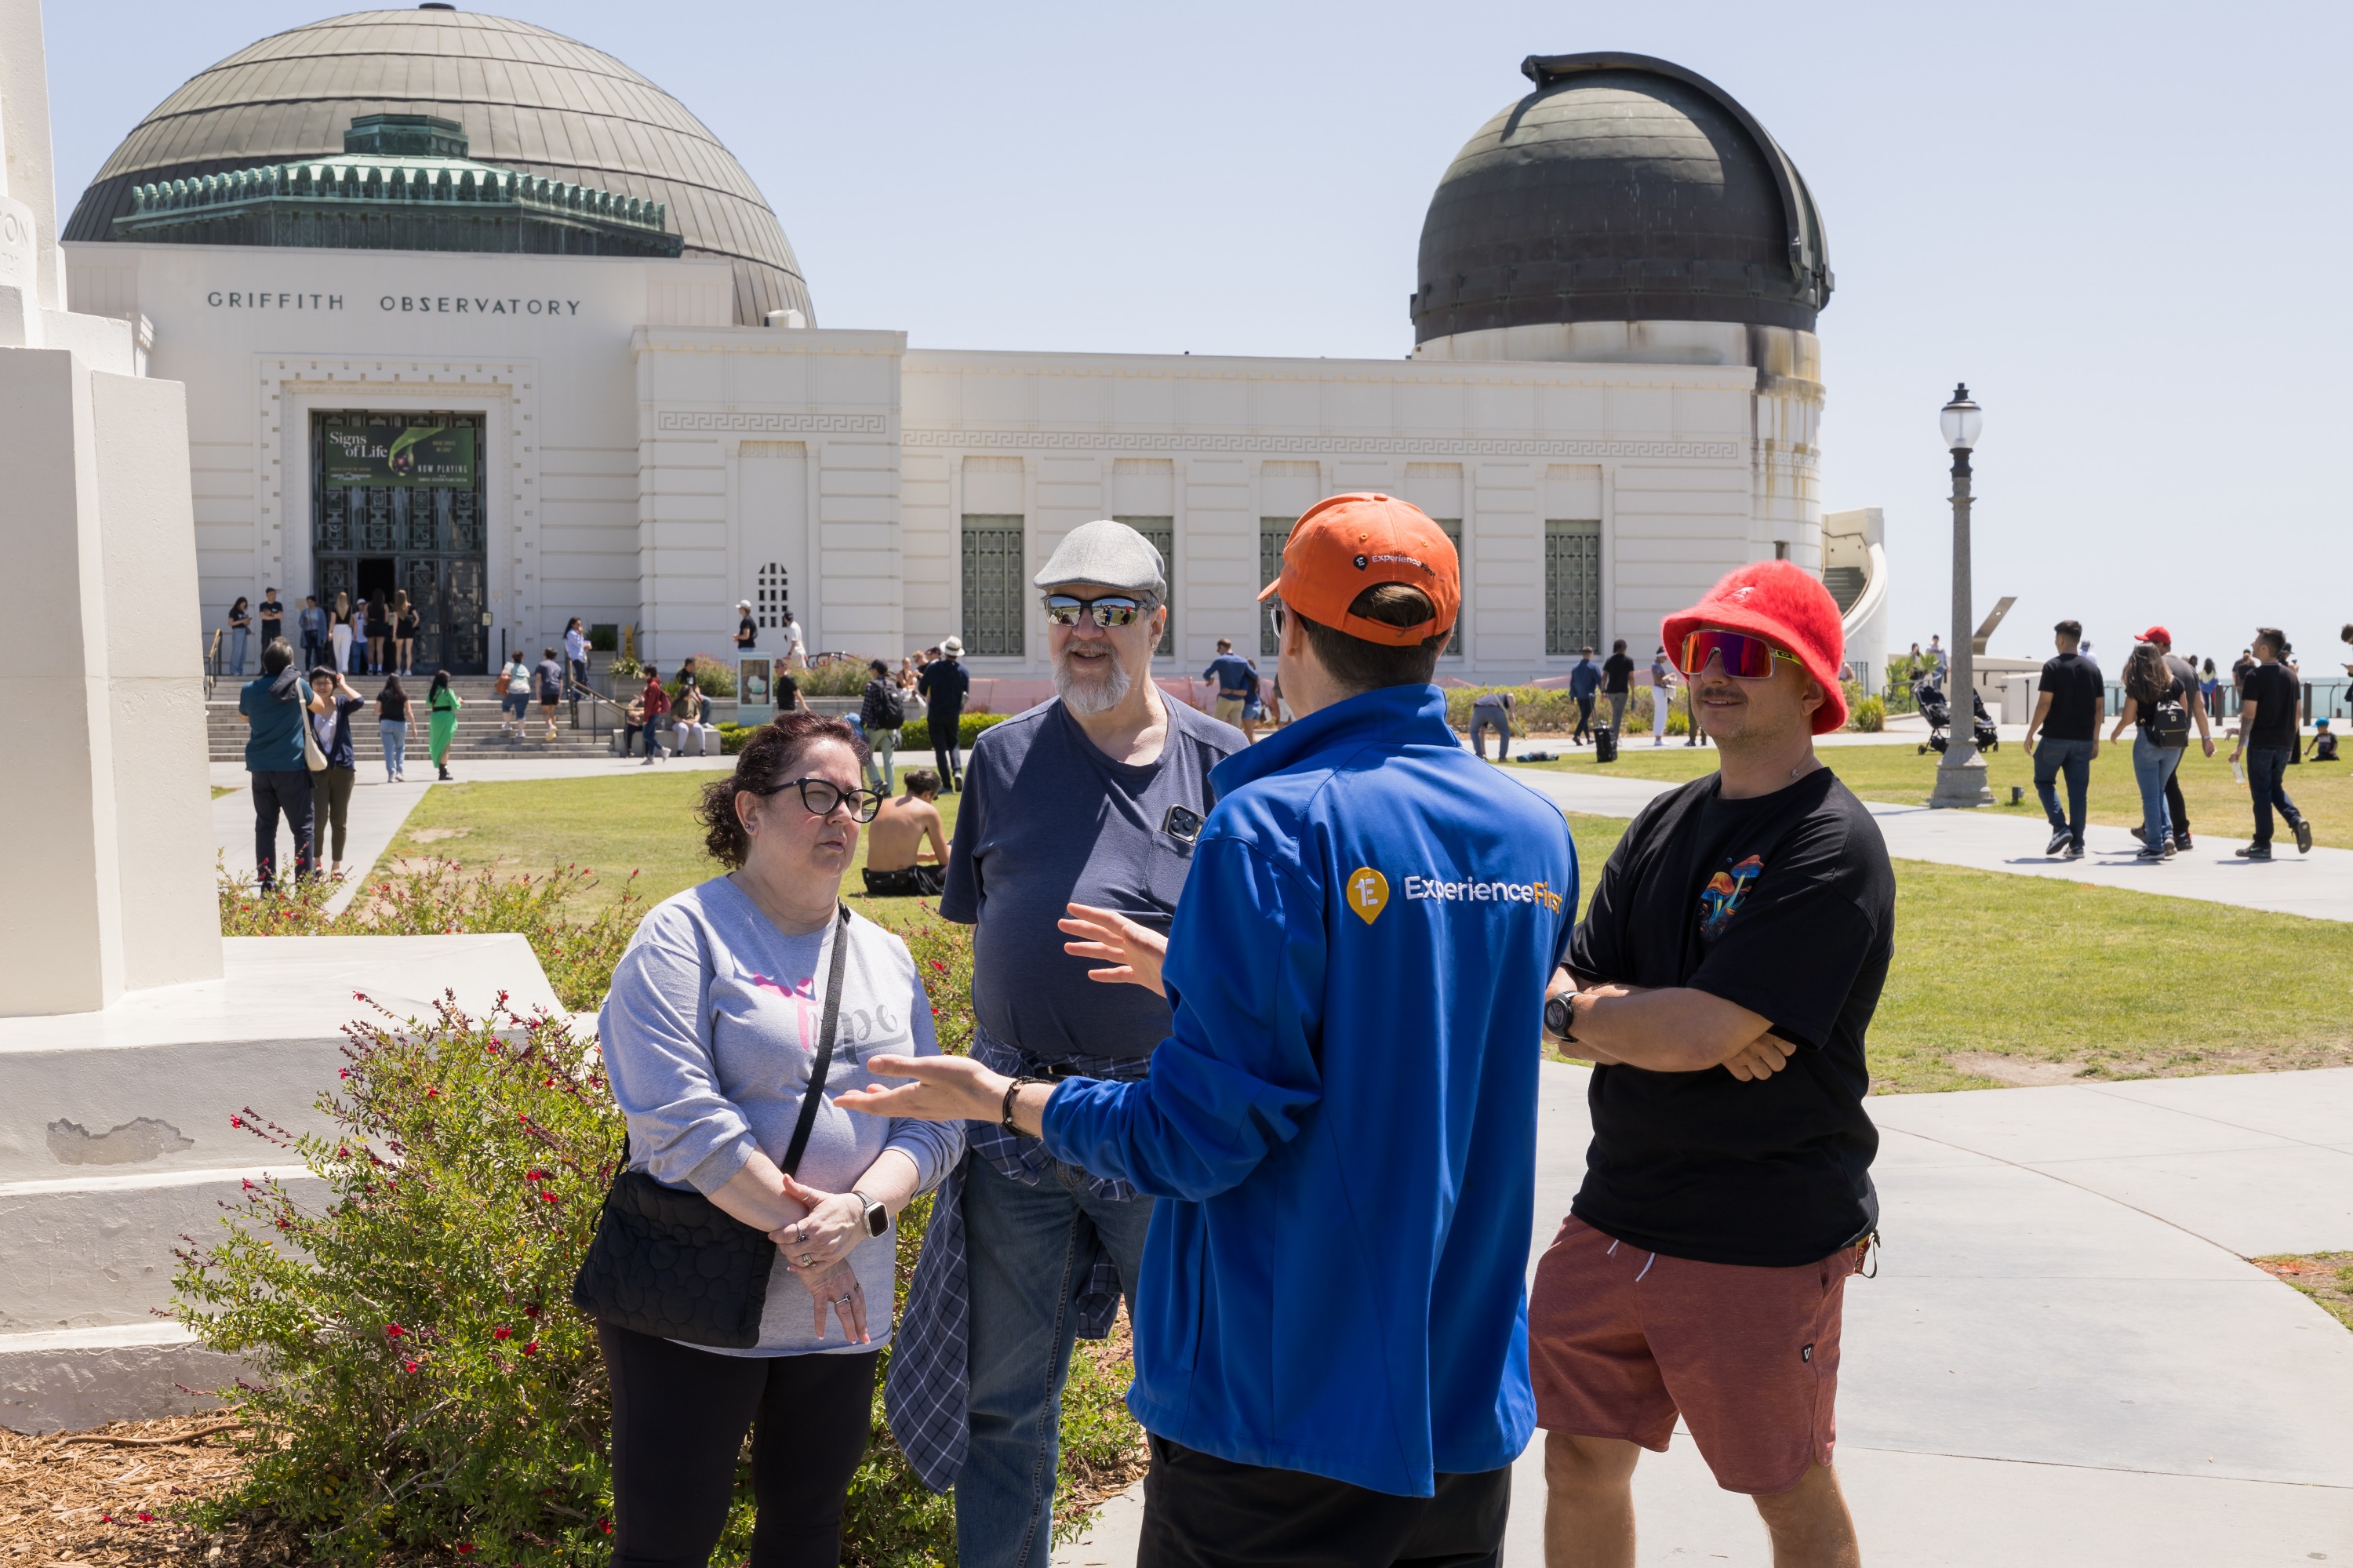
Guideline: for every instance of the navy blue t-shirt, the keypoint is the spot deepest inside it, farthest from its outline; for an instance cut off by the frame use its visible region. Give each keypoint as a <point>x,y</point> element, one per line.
<point>1233,674</point>
<point>1047,819</point>
<point>944,684</point>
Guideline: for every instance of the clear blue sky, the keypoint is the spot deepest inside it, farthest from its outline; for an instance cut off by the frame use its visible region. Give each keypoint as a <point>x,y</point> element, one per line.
<point>2126,226</point>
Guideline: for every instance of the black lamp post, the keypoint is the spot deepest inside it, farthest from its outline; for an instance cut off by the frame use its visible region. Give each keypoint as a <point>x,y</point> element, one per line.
<point>1961,773</point>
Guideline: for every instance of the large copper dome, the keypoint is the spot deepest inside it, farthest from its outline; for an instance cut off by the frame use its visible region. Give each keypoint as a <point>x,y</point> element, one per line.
<point>529,99</point>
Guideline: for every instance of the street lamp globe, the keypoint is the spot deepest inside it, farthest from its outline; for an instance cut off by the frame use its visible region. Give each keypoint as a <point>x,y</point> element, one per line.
<point>1961,420</point>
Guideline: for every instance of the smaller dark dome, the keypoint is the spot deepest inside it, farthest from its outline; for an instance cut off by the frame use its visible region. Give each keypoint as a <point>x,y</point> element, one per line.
<point>1623,189</point>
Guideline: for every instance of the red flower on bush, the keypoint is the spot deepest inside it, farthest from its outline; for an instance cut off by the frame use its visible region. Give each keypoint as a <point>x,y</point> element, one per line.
<point>408,1366</point>
<point>431,1093</point>
<point>535,1175</point>
<point>146,1518</point>
<point>393,1330</point>
<point>547,1197</point>
<point>531,1348</point>
<point>502,1332</point>
<point>532,1310</point>
<point>465,1549</point>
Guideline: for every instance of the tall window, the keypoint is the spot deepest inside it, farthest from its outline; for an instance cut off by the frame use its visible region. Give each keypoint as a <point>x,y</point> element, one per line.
<point>1162,532</point>
<point>771,597</point>
<point>1452,528</point>
<point>1572,585</point>
<point>992,584</point>
<point>1271,532</point>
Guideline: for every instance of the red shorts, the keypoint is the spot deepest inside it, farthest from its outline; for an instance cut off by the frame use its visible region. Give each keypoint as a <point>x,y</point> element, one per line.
<point>1622,1339</point>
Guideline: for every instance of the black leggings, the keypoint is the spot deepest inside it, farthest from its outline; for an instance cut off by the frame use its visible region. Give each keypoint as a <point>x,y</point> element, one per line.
<point>679,1418</point>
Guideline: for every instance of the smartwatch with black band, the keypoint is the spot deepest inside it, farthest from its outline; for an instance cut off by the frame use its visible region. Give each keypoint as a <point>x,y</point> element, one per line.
<point>878,1218</point>
<point>1559,1016</point>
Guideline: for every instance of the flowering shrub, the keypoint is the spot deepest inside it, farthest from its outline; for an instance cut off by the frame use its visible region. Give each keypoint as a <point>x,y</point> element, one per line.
<point>426,1388</point>
<point>443,898</point>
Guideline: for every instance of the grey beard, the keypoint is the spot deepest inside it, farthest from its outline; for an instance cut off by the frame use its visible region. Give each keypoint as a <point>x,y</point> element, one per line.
<point>1090,696</point>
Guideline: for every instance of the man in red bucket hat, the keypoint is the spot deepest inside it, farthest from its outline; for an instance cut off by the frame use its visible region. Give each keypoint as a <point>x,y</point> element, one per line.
<point>1721,982</point>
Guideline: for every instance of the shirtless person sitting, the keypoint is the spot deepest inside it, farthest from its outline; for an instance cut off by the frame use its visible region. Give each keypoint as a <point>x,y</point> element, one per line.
<point>898,862</point>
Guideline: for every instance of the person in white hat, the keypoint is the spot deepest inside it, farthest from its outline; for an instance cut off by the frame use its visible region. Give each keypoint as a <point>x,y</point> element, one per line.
<point>944,685</point>
<point>747,631</point>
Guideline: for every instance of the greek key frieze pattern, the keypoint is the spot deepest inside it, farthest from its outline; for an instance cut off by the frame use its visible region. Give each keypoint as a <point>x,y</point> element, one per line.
<point>1371,446</point>
<point>793,424</point>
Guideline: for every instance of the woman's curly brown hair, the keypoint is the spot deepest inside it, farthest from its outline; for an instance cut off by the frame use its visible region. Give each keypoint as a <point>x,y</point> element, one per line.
<point>766,765</point>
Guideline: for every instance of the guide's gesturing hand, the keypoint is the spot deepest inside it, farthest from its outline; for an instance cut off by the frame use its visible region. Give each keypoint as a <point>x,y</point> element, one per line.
<point>946,1088</point>
<point>1134,952</point>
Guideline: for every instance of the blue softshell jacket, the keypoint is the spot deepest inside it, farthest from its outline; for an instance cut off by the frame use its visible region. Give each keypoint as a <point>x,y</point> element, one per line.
<point>1342,1128</point>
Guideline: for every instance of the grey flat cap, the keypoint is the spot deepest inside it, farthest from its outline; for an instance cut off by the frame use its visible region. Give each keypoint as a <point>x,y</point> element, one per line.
<point>1108,553</point>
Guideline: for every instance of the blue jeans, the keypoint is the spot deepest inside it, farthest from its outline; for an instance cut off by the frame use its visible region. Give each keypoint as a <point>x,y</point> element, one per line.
<point>395,746</point>
<point>2267,782</point>
<point>236,636</point>
<point>2073,756</point>
<point>1480,724</point>
<point>2152,766</point>
<point>1029,1247</point>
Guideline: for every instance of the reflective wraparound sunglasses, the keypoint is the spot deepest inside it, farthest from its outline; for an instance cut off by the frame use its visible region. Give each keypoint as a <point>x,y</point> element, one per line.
<point>823,797</point>
<point>1745,657</point>
<point>1117,609</point>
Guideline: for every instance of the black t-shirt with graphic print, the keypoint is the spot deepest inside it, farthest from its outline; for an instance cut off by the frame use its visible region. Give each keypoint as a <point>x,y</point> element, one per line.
<point>1785,904</point>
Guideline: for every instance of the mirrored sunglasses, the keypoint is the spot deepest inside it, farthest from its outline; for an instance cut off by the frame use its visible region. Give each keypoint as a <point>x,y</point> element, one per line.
<point>1062,609</point>
<point>1745,657</point>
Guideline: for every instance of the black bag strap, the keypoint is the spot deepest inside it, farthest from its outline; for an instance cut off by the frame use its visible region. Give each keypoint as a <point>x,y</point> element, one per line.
<point>824,1064</point>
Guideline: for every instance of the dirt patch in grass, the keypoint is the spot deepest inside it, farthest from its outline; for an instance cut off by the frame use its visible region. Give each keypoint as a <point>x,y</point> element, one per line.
<point>2326,1277</point>
<point>436,835</point>
<point>118,1496</point>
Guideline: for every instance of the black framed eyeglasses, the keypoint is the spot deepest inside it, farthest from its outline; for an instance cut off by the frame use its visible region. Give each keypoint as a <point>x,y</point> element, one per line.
<point>1111,610</point>
<point>823,797</point>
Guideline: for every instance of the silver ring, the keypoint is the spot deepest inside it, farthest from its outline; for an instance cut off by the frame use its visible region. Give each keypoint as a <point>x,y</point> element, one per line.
<point>842,1300</point>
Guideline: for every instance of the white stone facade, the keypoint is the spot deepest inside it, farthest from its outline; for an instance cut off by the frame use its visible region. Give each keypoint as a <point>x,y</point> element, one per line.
<point>650,459</point>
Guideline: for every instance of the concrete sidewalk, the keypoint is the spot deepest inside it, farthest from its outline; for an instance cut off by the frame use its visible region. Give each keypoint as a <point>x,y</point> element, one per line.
<point>378,808</point>
<point>2318,885</point>
<point>2063,1360</point>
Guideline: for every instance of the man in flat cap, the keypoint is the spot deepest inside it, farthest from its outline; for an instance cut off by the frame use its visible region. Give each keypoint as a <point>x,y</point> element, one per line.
<point>1093,800</point>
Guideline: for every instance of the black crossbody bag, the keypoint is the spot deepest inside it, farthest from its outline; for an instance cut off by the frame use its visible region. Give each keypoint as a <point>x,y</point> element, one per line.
<point>677,1266</point>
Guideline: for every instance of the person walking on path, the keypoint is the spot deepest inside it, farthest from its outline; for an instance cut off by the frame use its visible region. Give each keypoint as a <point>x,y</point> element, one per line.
<point>441,705</point>
<point>270,616</point>
<point>274,704</point>
<point>406,622</point>
<point>339,632</point>
<point>1300,1082</point>
<point>1663,695</point>
<point>1935,654</point>
<point>747,629</point>
<point>310,623</point>
<point>653,706</point>
<point>2269,738</point>
<point>2154,699</point>
<point>1584,681</point>
<point>1616,685</point>
<point>1233,679</point>
<point>881,709</point>
<point>1492,710</point>
<point>796,646</point>
<point>1028,1251</point>
<point>549,678</point>
<point>333,703</point>
<point>944,684</point>
<point>907,847</point>
<point>391,724</point>
<point>240,631</point>
<point>2211,686</point>
<point>378,627</point>
<point>2070,698</point>
<point>2176,808</point>
<point>712,1034</point>
<point>1743,922</point>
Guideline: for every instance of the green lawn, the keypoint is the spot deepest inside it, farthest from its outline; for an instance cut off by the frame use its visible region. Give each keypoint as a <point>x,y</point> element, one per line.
<point>2218,808</point>
<point>2060,980</point>
<point>612,826</point>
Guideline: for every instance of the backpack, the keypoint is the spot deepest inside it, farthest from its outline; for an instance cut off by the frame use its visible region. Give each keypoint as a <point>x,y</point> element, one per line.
<point>2167,723</point>
<point>894,704</point>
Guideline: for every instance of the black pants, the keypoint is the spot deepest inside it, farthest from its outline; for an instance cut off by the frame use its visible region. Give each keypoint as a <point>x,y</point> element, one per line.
<point>288,792</point>
<point>2176,812</point>
<point>679,1418</point>
<point>1205,1512</point>
<point>945,752</point>
<point>1584,730</point>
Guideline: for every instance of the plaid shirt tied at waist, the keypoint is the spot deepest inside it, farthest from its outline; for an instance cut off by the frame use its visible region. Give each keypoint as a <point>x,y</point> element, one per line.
<point>926,1396</point>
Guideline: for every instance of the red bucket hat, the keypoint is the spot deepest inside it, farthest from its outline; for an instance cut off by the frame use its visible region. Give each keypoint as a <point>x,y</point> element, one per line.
<point>1789,608</point>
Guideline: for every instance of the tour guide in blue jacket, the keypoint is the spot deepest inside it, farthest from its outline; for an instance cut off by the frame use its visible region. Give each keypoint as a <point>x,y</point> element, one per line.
<point>1342,1127</point>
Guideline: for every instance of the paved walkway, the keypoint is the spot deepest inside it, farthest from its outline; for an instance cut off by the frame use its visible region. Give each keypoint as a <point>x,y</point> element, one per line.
<point>378,808</point>
<point>2318,885</point>
<point>2064,1359</point>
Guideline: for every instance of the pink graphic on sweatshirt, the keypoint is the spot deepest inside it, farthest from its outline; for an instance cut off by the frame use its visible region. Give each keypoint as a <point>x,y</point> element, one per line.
<point>803,996</point>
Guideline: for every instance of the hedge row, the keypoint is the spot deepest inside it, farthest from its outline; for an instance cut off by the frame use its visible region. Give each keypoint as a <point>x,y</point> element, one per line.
<point>915,735</point>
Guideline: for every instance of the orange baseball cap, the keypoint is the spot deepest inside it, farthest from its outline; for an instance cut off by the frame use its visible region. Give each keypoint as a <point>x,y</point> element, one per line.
<point>1343,544</point>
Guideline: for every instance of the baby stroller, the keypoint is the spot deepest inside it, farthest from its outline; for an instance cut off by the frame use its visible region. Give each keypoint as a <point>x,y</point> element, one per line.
<point>1930,699</point>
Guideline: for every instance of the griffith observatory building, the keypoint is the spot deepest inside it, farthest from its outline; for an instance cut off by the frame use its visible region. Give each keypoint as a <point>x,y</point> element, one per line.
<point>434,218</point>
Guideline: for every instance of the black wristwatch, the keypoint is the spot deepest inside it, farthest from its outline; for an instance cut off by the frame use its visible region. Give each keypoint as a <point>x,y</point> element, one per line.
<point>1558,1017</point>
<point>878,1218</point>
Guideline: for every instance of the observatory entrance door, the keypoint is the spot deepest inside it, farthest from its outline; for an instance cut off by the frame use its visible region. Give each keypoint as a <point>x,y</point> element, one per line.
<point>397,507</point>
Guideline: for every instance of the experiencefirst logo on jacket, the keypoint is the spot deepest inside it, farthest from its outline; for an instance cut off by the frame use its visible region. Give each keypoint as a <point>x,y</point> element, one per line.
<point>1368,892</point>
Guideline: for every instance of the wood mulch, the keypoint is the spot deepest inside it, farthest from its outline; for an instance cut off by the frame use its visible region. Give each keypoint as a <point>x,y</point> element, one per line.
<point>2326,1277</point>
<point>117,1496</point>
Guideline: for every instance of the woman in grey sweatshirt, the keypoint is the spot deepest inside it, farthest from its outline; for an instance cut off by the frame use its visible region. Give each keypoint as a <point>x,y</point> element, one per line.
<point>710,1034</point>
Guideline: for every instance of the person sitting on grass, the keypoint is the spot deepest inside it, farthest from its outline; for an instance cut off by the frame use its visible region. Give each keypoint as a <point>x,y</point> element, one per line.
<point>899,862</point>
<point>2324,742</point>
